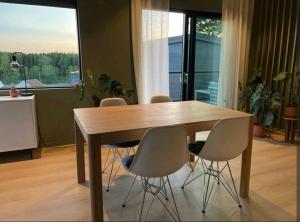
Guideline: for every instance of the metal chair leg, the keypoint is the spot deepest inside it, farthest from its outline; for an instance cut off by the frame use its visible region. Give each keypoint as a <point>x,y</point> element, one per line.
<point>106,159</point>
<point>188,176</point>
<point>163,184</point>
<point>218,172</point>
<point>172,194</point>
<point>111,170</point>
<point>235,190</point>
<point>143,200</point>
<point>129,191</point>
<point>207,193</point>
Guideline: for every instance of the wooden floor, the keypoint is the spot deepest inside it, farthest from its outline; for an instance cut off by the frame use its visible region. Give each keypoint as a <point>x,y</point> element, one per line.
<point>46,190</point>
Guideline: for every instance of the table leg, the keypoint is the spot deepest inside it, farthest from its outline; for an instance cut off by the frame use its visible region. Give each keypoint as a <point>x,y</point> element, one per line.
<point>293,131</point>
<point>95,178</point>
<point>79,141</point>
<point>246,164</point>
<point>192,138</point>
<point>287,130</point>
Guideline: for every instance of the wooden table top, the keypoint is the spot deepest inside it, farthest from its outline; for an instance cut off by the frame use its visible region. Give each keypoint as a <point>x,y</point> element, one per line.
<point>122,118</point>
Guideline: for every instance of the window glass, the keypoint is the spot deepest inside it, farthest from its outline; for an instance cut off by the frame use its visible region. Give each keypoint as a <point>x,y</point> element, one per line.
<point>45,42</point>
<point>207,59</point>
<point>176,34</point>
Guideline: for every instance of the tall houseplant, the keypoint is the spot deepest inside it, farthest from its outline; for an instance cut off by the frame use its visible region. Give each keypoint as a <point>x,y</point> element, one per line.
<point>263,105</point>
<point>103,86</point>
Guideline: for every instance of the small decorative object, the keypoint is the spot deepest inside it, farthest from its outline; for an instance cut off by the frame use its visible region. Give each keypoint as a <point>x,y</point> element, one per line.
<point>105,87</point>
<point>14,92</point>
<point>15,65</point>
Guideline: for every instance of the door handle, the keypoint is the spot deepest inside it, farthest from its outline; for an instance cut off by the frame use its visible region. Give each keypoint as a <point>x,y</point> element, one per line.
<point>186,78</point>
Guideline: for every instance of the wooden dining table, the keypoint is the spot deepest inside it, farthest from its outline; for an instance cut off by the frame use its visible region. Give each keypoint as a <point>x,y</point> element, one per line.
<point>106,125</point>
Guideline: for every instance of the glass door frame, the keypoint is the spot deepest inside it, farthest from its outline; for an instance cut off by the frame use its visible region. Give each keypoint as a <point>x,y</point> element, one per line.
<point>189,48</point>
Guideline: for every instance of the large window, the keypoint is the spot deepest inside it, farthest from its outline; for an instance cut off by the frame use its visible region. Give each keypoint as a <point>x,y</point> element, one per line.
<point>46,39</point>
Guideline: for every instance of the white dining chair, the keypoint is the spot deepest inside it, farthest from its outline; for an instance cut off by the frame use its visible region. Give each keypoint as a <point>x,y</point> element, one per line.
<point>154,99</point>
<point>113,101</point>
<point>115,147</point>
<point>227,140</point>
<point>160,99</point>
<point>161,152</point>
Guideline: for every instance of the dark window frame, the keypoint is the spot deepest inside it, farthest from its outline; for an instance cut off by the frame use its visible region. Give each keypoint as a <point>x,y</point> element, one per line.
<point>59,4</point>
<point>50,3</point>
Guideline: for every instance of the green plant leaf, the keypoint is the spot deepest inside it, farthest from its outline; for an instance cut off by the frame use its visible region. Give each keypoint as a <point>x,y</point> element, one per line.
<point>82,90</point>
<point>268,118</point>
<point>96,100</point>
<point>89,74</point>
<point>281,76</point>
<point>105,88</point>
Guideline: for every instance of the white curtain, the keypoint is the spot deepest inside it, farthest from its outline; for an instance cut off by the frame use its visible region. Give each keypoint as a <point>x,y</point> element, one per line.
<point>150,24</point>
<point>237,23</point>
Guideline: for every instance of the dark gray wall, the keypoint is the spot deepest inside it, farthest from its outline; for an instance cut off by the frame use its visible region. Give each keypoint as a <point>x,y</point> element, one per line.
<point>105,38</point>
<point>197,5</point>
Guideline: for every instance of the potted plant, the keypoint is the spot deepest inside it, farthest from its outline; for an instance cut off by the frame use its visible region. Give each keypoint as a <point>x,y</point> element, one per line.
<point>102,86</point>
<point>291,109</point>
<point>247,90</point>
<point>263,105</point>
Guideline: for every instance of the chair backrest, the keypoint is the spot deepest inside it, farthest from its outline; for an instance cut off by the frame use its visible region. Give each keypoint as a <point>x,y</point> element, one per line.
<point>161,152</point>
<point>160,99</point>
<point>227,140</point>
<point>113,102</point>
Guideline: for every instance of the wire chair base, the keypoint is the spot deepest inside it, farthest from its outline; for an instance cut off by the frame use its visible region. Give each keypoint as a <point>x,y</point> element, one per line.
<point>214,174</point>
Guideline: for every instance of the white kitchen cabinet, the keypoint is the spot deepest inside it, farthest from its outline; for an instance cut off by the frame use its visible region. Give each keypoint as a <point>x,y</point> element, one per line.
<point>18,125</point>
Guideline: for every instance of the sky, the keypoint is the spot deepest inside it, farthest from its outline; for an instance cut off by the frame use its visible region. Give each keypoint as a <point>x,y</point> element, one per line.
<point>175,24</point>
<point>35,29</point>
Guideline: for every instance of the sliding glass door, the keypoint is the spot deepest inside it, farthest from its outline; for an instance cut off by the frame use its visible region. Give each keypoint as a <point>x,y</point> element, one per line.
<point>197,58</point>
<point>207,59</point>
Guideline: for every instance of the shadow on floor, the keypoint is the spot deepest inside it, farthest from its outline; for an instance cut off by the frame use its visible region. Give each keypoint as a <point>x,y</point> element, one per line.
<point>15,156</point>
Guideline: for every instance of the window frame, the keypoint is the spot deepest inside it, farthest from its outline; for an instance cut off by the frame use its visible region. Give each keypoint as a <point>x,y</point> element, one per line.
<point>57,4</point>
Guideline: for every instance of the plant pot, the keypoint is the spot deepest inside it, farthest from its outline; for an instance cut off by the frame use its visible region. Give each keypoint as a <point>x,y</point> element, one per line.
<point>258,130</point>
<point>291,112</point>
<point>14,93</point>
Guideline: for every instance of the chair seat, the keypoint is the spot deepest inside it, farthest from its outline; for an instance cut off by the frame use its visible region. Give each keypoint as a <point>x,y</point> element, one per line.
<point>127,161</point>
<point>124,144</point>
<point>196,147</point>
